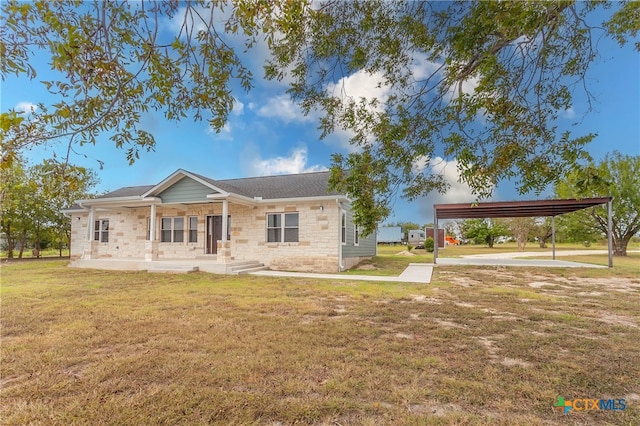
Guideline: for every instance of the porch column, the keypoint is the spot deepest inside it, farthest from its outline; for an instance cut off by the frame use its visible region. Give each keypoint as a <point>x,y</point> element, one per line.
<point>91,246</point>
<point>152,223</point>
<point>151,245</point>
<point>90,225</point>
<point>224,246</point>
<point>225,213</point>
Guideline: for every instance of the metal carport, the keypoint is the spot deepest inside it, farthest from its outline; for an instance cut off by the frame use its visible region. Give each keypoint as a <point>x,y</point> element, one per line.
<point>533,208</point>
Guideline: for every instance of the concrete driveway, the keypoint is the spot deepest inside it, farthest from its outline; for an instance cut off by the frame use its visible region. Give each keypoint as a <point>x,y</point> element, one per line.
<point>515,259</point>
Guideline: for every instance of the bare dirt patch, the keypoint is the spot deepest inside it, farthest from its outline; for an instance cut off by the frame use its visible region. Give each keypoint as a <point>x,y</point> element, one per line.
<point>366,267</point>
<point>611,318</point>
<point>434,408</point>
<point>465,281</point>
<point>515,362</point>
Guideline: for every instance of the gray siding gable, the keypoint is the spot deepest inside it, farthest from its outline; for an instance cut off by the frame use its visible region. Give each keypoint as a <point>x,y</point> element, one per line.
<point>186,190</point>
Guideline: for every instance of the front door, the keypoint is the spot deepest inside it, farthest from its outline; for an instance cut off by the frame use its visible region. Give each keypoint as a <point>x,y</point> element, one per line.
<point>214,233</point>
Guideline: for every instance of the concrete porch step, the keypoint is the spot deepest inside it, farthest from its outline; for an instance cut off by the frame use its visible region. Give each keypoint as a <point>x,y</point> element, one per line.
<point>250,270</point>
<point>245,267</point>
<point>175,269</point>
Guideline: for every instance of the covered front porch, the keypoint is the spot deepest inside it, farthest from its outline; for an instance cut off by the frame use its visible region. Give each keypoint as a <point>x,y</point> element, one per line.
<point>172,231</point>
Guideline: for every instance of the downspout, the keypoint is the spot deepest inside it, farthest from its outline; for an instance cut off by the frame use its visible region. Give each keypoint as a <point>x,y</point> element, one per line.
<point>340,265</point>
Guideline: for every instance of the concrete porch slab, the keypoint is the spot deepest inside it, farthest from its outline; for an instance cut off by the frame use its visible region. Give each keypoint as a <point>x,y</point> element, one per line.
<point>167,265</point>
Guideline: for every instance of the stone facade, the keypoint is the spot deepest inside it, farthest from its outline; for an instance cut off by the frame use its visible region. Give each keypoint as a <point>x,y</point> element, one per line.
<point>317,249</point>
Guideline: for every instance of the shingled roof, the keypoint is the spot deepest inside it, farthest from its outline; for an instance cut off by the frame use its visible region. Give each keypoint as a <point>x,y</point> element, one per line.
<point>268,187</point>
<point>282,186</point>
<point>127,191</point>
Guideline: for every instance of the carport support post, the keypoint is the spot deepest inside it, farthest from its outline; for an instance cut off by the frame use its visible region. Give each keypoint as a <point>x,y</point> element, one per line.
<point>553,236</point>
<point>610,232</point>
<point>435,235</point>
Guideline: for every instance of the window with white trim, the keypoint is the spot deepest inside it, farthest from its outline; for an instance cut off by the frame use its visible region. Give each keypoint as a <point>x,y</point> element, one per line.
<point>101,230</point>
<point>356,235</point>
<point>193,229</point>
<point>282,227</point>
<point>172,230</point>
<point>343,228</point>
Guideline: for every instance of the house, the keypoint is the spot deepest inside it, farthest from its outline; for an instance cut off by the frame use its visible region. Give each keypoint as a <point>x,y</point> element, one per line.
<point>286,222</point>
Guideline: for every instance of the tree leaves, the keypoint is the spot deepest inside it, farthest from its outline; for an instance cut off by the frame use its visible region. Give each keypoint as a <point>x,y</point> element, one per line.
<point>115,62</point>
<point>480,82</point>
<point>617,175</point>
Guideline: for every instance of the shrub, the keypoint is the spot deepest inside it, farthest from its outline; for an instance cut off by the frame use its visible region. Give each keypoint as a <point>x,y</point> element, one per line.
<point>428,244</point>
<point>409,247</point>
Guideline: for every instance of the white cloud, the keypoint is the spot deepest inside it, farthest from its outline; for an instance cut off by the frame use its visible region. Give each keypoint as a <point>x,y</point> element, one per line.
<point>223,134</point>
<point>192,20</point>
<point>458,192</point>
<point>361,85</point>
<point>238,107</point>
<point>568,113</point>
<point>284,108</point>
<point>294,163</point>
<point>26,107</point>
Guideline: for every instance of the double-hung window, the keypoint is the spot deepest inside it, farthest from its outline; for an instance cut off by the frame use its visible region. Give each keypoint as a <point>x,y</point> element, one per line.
<point>172,230</point>
<point>282,227</point>
<point>343,228</point>
<point>101,230</point>
<point>193,229</point>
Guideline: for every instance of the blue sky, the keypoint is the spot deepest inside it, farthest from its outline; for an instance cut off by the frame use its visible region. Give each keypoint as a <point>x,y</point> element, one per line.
<point>268,134</point>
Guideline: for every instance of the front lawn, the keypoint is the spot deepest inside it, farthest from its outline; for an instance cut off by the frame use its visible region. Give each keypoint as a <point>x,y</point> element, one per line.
<point>477,346</point>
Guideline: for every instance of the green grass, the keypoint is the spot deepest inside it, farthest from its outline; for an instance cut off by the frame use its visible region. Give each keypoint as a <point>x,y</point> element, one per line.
<point>477,346</point>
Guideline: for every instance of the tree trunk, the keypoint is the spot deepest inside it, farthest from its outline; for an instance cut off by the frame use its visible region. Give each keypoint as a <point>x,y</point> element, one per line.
<point>10,245</point>
<point>37,244</point>
<point>620,245</point>
<point>23,242</point>
<point>543,243</point>
<point>67,234</point>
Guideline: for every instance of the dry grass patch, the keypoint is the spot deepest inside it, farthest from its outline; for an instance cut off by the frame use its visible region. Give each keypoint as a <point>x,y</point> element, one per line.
<point>92,347</point>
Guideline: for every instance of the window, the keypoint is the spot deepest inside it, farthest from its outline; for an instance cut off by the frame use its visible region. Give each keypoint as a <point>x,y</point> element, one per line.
<point>343,230</point>
<point>282,228</point>
<point>172,230</point>
<point>291,227</point>
<point>356,235</point>
<point>148,228</point>
<point>101,230</point>
<point>193,229</point>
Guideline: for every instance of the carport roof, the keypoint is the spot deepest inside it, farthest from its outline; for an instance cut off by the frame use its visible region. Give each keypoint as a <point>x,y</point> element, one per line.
<point>533,208</point>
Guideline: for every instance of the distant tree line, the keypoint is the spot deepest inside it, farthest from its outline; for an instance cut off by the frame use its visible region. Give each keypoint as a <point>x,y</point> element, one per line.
<point>32,199</point>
